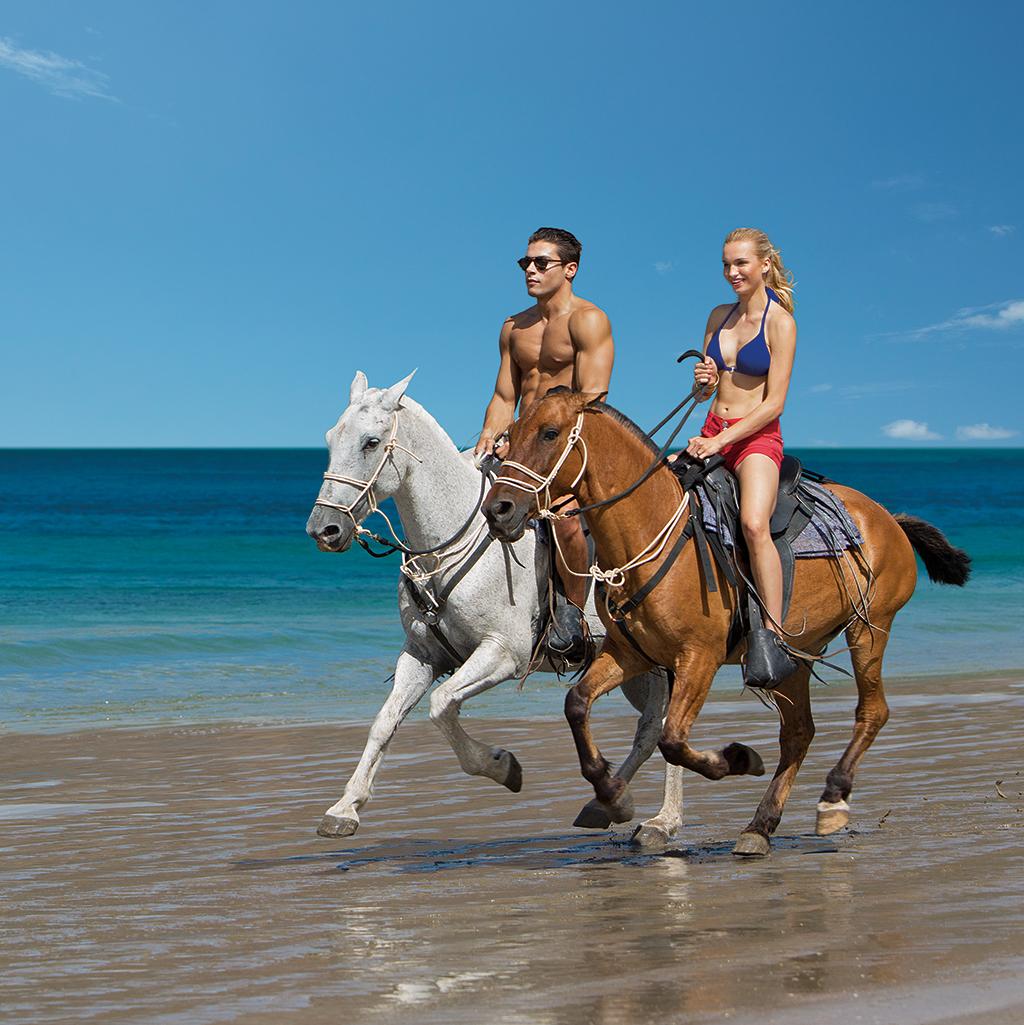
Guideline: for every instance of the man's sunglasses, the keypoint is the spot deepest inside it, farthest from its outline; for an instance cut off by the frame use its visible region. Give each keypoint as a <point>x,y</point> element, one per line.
<point>541,262</point>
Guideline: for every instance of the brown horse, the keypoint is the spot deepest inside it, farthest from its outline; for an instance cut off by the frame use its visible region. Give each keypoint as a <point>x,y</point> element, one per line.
<point>569,442</point>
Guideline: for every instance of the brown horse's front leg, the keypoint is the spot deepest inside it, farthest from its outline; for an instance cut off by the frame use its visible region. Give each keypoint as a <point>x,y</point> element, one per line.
<point>694,671</point>
<point>607,673</point>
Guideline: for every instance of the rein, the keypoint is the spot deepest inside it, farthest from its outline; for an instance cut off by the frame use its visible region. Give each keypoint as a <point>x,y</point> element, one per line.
<point>695,397</point>
<point>543,484</point>
<point>536,484</point>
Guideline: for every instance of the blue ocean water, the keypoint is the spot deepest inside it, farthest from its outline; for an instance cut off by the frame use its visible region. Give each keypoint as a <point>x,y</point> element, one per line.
<point>159,586</point>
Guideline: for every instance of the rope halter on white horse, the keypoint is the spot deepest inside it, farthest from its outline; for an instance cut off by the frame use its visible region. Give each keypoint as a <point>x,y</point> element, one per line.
<point>543,484</point>
<point>366,486</point>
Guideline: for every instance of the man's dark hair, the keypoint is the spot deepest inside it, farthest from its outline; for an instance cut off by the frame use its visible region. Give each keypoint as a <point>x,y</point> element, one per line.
<point>569,248</point>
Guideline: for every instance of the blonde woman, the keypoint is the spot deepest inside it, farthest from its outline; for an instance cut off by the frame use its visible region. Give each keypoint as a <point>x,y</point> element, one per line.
<point>748,358</point>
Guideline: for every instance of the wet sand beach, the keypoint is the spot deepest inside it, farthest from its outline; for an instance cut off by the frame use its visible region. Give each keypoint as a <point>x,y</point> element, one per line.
<point>173,875</point>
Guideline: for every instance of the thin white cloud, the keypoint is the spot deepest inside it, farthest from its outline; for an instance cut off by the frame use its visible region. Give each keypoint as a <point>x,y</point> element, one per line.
<point>1002,230</point>
<point>931,212</point>
<point>909,430</point>
<point>61,75</point>
<point>984,432</point>
<point>899,182</point>
<point>817,389</point>
<point>882,387</point>
<point>663,266</point>
<point>1006,315</point>
<point>996,316</point>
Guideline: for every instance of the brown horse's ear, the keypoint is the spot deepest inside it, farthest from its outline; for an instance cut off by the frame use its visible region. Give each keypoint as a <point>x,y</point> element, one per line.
<point>593,400</point>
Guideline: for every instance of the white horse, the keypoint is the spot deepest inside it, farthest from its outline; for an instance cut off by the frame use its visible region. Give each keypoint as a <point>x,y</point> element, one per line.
<point>385,445</point>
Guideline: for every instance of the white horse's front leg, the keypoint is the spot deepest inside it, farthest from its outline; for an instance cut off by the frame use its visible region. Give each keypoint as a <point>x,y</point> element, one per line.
<point>412,680</point>
<point>490,664</point>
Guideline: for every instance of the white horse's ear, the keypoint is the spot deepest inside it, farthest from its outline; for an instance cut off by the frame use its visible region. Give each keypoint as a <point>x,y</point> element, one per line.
<point>357,387</point>
<point>393,395</point>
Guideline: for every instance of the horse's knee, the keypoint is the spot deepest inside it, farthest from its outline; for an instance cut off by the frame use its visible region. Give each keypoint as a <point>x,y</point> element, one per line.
<point>673,749</point>
<point>575,706</point>
<point>440,706</point>
<point>873,718</point>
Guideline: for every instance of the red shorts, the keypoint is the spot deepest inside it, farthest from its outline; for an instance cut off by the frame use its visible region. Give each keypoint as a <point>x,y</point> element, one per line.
<point>767,441</point>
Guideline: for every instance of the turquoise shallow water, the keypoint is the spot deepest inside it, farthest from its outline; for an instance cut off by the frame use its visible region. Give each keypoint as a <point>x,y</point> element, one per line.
<point>155,586</point>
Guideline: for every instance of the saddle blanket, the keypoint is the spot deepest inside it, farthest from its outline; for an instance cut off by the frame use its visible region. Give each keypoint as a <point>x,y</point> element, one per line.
<point>830,531</point>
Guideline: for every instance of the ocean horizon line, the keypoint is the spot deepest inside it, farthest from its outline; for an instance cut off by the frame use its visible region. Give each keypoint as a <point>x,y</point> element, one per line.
<point>321,448</point>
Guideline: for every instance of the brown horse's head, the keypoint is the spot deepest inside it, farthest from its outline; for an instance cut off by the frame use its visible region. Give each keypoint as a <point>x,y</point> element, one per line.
<point>542,441</point>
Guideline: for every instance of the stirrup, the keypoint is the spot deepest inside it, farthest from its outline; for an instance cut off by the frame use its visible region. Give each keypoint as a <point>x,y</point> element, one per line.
<point>566,639</point>
<point>767,663</point>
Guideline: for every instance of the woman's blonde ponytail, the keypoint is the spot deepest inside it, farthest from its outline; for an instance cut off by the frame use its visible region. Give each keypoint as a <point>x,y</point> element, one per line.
<point>778,279</point>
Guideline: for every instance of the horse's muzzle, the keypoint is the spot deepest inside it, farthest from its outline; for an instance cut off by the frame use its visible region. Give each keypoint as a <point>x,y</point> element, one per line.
<point>329,537</point>
<point>505,518</point>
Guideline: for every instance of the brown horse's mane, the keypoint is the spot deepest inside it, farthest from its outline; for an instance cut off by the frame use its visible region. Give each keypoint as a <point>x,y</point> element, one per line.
<point>621,418</point>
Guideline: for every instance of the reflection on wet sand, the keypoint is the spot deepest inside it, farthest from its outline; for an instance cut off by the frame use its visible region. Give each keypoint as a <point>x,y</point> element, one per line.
<point>174,876</point>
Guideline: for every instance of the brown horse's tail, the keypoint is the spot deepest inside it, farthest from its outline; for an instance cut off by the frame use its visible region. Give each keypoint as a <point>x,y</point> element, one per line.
<point>944,563</point>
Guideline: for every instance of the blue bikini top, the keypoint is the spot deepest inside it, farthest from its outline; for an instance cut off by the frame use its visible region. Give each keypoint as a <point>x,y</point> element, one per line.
<point>753,357</point>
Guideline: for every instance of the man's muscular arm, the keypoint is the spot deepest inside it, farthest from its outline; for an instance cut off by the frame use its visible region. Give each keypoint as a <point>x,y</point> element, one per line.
<point>591,334</point>
<point>502,407</point>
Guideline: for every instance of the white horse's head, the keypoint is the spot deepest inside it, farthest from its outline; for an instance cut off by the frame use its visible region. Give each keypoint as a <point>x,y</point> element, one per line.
<point>366,463</point>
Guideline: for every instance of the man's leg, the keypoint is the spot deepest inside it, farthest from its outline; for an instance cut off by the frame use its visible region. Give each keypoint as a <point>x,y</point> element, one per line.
<point>566,638</point>
<point>572,550</point>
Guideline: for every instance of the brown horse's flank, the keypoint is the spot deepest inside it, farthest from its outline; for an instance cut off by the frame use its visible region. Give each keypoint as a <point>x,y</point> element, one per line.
<point>684,627</point>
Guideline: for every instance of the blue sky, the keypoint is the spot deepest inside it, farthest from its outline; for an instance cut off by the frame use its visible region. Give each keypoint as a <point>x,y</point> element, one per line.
<point>214,214</point>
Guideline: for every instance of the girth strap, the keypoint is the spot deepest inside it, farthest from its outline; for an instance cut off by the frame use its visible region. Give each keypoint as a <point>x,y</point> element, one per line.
<point>430,618</point>
<point>601,592</point>
<point>666,564</point>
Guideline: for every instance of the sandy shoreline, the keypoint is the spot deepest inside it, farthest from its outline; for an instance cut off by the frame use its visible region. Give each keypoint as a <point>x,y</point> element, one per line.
<point>172,874</point>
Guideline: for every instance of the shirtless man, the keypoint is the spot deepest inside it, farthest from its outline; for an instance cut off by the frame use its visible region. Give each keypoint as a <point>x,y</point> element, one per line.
<point>561,340</point>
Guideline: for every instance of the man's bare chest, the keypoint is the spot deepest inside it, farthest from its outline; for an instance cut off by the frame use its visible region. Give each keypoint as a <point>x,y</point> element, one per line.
<point>547,349</point>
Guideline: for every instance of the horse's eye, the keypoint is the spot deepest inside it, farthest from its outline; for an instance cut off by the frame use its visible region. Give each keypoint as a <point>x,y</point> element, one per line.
<point>549,433</point>
<point>371,444</point>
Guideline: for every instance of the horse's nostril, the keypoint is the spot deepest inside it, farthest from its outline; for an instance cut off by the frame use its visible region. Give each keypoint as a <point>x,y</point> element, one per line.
<point>503,509</point>
<point>330,531</point>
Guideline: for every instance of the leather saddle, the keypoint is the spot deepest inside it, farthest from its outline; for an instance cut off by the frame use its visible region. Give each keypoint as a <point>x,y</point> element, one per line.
<point>794,509</point>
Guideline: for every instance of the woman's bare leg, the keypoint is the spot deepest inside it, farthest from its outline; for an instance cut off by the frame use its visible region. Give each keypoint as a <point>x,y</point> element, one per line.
<point>759,487</point>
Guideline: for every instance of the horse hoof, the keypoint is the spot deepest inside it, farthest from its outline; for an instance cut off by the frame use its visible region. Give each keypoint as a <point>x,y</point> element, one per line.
<point>514,779</point>
<point>650,837</point>
<point>593,816</point>
<point>752,845</point>
<point>832,817</point>
<point>332,825</point>
<point>743,760</point>
<point>622,808</point>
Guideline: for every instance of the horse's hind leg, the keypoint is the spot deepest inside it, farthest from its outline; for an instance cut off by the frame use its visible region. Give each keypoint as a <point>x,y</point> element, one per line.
<point>490,664</point>
<point>412,679</point>
<point>867,646</point>
<point>606,673</point>
<point>796,730</point>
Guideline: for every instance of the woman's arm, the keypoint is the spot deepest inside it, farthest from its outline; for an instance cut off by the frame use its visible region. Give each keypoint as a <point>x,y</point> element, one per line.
<point>705,372</point>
